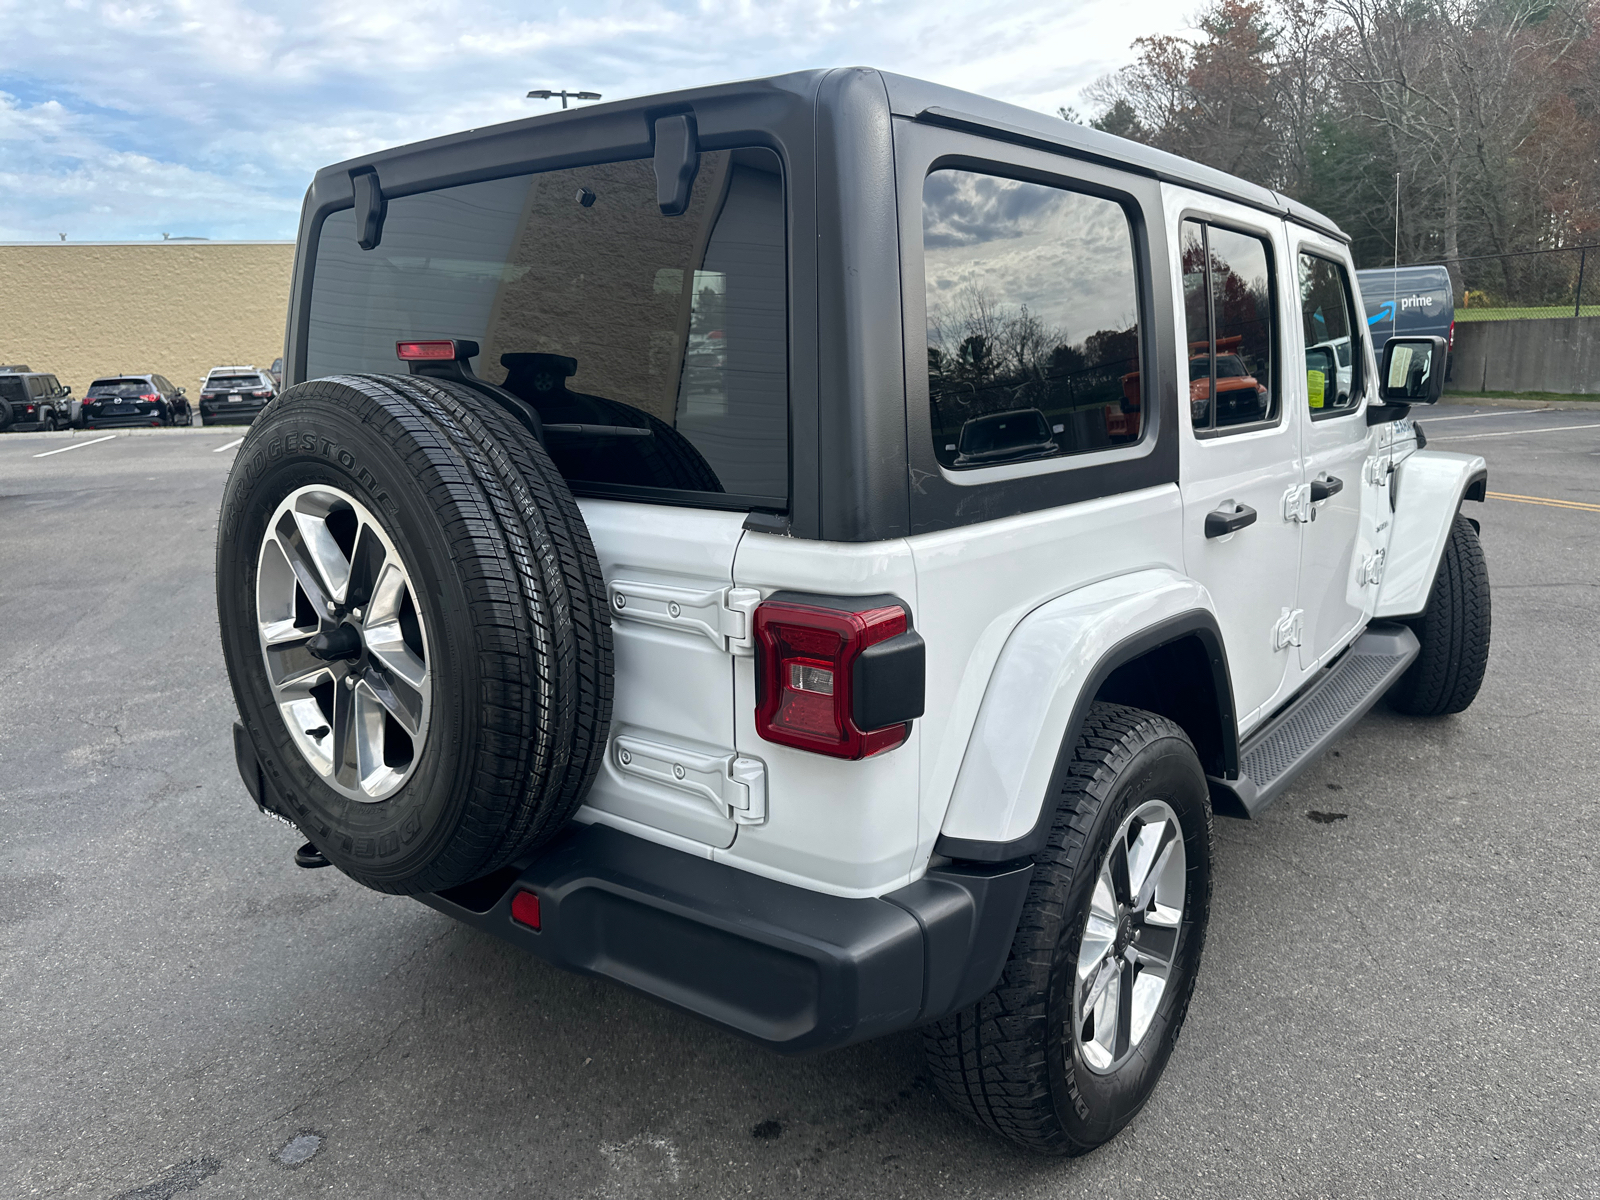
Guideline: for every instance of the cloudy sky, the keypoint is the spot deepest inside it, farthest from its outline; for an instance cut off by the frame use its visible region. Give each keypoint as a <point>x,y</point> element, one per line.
<point>127,119</point>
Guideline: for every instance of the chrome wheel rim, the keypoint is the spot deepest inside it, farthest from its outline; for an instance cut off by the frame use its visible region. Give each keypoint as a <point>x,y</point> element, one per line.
<point>1126,960</point>
<point>344,642</point>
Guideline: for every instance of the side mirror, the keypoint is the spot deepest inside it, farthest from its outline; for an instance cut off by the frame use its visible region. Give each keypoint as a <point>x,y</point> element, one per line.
<point>183,391</point>
<point>1413,370</point>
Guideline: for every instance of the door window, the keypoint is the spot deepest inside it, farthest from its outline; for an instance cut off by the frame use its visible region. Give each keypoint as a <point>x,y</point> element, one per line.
<point>1228,315</point>
<point>1033,321</point>
<point>1333,358</point>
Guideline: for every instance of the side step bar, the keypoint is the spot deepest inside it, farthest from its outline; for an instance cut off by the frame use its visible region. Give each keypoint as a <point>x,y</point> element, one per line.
<point>1274,755</point>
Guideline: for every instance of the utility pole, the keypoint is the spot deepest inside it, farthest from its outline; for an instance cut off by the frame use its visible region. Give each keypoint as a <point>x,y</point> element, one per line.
<point>549,93</point>
<point>1394,317</point>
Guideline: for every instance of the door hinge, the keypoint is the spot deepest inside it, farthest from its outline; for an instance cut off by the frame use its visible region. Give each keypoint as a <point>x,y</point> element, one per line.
<point>1371,570</point>
<point>1376,471</point>
<point>1289,630</point>
<point>725,615</point>
<point>735,785</point>
<point>1297,504</point>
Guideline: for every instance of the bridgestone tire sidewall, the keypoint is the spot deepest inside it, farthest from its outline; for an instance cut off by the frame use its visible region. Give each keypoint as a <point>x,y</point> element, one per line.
<point>393,839</point>
<point>1093,1107</point>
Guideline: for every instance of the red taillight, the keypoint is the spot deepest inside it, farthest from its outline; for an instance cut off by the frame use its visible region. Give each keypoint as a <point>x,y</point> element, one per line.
<point>425,351</point>
<point>807,657</point>
<point>151,399</point>
<point>1450,342</point>
<point>525,909</point>
<point>261,395</point>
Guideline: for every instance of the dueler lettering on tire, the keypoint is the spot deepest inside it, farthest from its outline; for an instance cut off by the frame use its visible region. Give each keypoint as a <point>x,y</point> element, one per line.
<point>1070,1044</point>
<point>415,628</point>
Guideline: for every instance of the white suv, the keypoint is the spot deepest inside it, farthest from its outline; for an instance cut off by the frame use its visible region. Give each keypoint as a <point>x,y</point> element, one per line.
<point>818,552</point>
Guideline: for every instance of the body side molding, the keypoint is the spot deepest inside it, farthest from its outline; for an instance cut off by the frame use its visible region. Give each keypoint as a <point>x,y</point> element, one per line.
<point>1052,667</point>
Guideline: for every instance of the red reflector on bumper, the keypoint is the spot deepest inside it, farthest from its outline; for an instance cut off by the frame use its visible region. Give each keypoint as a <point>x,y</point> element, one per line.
<point>525,909</point>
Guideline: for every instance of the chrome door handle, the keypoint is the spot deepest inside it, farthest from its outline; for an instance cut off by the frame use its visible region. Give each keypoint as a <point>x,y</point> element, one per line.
<point>1222,521</point>
<point>1321,489</point>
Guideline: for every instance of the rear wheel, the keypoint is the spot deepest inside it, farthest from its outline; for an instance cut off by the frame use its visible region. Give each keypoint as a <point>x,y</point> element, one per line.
<point>1453,630</point>
<point>1069,1046</point>
<point>415,628</point>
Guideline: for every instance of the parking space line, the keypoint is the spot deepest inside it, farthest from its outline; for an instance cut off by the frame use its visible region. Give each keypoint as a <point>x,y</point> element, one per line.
<point>1472,437</point>
<point>229,446</point>
<point>75,446</point>
<point>1504,412</point>
<point>1549,503</point>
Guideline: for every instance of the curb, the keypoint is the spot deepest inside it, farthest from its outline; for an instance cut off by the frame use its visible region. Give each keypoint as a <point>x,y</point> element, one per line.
<point>67,435</point>
<point>1452,400</point>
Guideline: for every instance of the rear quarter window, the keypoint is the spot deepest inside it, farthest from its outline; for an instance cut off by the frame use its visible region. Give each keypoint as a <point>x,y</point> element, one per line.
<point>597,310</point>
<point>1033,321</point>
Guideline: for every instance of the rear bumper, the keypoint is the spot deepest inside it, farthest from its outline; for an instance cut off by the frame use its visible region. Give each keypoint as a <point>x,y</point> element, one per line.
<point>223,411</point>
<point>795,970</point>
<point>139,421</point>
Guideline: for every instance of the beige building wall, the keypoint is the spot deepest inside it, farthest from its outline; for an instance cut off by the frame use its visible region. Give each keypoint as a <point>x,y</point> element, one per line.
<point>176,308</point>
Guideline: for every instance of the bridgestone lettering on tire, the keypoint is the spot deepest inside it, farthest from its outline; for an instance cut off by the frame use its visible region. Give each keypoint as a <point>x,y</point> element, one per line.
<point>1453,630</point>
<point>1047,1059</point>
<point>510,633</point>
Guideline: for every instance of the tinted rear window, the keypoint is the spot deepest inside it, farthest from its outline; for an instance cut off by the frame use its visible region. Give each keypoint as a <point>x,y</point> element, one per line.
<point>233,383</point>
<point>121,387</point>
<point>596,309</point>
<point>11,388</point>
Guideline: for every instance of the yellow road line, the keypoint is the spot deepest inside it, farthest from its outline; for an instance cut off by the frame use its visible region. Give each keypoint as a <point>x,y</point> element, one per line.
<point>1577,504</point>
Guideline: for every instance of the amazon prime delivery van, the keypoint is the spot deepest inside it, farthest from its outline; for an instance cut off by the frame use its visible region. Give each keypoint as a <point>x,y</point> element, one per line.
<point>1411,301</point>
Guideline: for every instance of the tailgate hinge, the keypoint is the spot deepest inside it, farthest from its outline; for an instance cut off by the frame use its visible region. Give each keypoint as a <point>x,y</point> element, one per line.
<point>736,785</point>
<point>725,615</point>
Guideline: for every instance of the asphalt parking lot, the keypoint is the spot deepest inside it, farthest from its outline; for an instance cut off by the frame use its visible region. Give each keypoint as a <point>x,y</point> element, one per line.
<point>1399,1000</point>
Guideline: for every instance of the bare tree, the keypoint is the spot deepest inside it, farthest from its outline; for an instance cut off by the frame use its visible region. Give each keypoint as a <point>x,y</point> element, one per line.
<point>1455,87</point>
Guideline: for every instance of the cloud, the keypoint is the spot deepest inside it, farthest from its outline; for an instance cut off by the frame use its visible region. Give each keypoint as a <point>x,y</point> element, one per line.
<point>127,119</point>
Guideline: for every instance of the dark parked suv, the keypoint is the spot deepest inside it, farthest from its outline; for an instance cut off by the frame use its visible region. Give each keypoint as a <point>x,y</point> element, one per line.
<point>120,400</point>
<point>234,395</point>
<point>32,400</point>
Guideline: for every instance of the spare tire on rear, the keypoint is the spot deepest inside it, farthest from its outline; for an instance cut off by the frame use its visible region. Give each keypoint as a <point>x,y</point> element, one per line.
<point>415,627</point>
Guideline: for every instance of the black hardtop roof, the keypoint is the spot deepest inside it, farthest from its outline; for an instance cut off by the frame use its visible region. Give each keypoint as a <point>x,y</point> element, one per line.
<point>908,98</point>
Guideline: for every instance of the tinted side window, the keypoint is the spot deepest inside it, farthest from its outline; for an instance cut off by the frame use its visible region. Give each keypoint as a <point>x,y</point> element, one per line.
<point>1333,361</point>
<point>1033,321</point>
<point>595,308</point>
<point>1227,291</point>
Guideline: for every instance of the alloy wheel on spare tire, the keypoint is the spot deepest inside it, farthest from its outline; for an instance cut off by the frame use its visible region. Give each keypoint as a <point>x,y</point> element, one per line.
<point>415,627</point>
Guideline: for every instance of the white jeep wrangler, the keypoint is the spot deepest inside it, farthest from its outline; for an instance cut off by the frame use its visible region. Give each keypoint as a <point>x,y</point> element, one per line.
<point>818,551</point>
